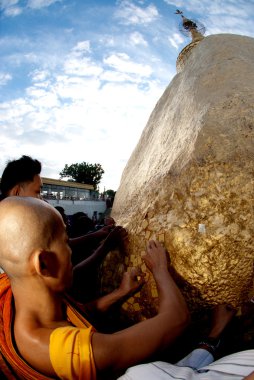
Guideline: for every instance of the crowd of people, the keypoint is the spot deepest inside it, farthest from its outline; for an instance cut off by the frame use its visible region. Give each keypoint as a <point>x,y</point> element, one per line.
<point>48,299</point>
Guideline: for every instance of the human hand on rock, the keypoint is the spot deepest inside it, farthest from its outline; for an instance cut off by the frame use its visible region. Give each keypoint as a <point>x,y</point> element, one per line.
<point>109,221</point>
<point>132,280</point>
<point>115,237</point>
<point>104,231</point>
<point>155,258</point>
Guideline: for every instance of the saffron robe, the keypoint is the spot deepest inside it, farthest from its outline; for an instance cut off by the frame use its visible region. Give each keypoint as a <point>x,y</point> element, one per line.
<point>71,354</point>
<point>13,367</point>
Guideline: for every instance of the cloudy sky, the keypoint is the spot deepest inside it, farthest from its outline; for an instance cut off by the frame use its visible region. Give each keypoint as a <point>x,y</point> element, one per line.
<point>79,78</point>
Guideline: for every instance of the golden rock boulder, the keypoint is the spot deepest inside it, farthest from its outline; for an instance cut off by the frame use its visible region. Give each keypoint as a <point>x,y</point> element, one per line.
<point>189,181</point>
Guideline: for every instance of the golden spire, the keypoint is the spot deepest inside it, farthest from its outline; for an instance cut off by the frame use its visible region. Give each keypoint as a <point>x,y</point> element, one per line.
<point>189,28</point>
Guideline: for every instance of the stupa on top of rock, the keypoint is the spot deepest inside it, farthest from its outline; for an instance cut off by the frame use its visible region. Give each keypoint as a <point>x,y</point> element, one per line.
<point>193,29</point>
<point>189,181</point>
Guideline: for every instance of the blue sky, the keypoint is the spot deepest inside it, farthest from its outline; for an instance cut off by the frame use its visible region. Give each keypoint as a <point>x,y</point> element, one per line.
<point>79,78</point>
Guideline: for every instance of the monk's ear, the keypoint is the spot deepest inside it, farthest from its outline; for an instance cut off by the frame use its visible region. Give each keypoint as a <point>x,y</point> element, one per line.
<point>14,191</point>
<point>45,263</point>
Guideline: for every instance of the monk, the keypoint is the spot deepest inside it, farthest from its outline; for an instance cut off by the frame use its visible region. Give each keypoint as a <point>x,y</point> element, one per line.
<point>50,339</point>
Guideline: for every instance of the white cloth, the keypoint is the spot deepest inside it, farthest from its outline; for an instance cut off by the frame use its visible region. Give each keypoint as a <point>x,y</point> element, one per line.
<point>232,367</point>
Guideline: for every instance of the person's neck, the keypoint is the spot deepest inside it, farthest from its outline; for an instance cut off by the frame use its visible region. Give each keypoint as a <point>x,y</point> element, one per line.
<point>34,300</point>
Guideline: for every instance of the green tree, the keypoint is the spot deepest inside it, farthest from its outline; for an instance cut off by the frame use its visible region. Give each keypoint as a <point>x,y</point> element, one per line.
<point>110,193</point>
<point>89,174</point>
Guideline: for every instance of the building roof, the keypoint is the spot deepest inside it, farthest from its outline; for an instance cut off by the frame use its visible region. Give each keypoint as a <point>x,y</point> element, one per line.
<point>58,182</point>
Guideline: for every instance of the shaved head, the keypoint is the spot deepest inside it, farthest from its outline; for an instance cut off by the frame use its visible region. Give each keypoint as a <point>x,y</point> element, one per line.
<point>26,225</point>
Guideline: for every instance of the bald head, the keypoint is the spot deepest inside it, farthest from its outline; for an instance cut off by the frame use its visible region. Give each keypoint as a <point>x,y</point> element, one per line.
<point>26,225</point>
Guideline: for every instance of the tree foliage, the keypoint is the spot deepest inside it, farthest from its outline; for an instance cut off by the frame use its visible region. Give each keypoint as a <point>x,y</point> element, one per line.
<point>110,193</point>
<point>84,172</point>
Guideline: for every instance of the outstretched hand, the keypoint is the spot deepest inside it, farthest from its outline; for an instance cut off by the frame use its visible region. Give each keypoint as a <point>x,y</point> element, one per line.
<point>155,258</point>
<point>104,231</point>
<point>114,238</point>
<point>131,281</point>
<point>109,221</point>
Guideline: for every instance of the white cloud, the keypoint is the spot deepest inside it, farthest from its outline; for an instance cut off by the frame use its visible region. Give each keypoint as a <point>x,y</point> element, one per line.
<point>116,76</point>
<point>39,75</point>
<point>82,67</point>
<point>108,41</point>
<point>4,78</point>
<point>8,3</point>
<point>136,38</point>
<point>176,40</point>
<point>42,98</point>
<point>76,88</point>
<point>17,107</point>
<point>12,113</point>
<point>10,8</point>
<point>122,63</point>
<point>128,13</point>
<point>82,47</point>
<point>37,4</point>
<point>76,63</point>
<point>13,11</point>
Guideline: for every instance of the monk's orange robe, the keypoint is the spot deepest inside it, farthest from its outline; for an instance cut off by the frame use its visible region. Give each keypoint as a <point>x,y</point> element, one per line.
<point>13,367</point>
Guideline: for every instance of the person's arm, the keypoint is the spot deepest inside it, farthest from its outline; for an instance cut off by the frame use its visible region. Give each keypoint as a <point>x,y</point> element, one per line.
<point>85,270</point>
<point>129,284</point>
<point>129,346</point>
<point>93,237</point>
<point>113,239</point>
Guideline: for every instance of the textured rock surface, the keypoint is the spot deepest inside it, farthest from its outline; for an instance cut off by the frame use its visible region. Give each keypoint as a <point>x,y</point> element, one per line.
<point>189,182</point>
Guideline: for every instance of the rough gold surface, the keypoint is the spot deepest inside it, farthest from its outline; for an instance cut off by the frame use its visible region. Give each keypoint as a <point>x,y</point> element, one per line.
<point>189,182</point>
<point>183,56</point>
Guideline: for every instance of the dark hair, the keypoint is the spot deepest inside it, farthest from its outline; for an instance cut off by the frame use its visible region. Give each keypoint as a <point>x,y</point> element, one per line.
<point>18,171</point>
<point>60,209</point>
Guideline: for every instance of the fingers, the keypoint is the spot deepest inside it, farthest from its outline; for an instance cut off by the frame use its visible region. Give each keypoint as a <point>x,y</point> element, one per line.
<point>116,228</point>
<point>136,273</point>
<point>154,248</point>
<point>155,257</point>
<point>152,244</point>
<point>109,221</point>
<point>115,238</point>
<point>117,231</point>
<point>132,280</point>
<point>108,228</point>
